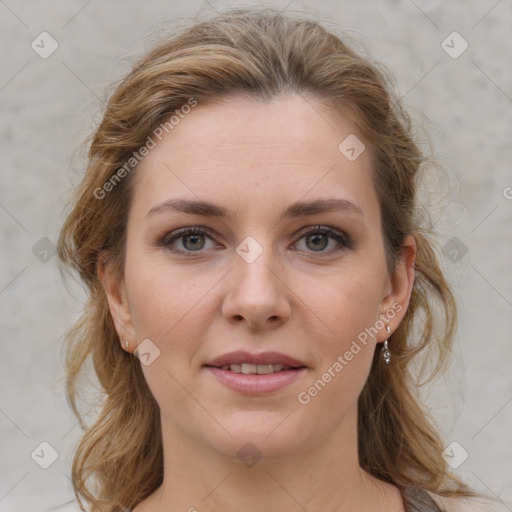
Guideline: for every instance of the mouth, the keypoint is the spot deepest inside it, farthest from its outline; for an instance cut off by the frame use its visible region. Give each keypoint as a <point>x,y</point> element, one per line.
<point>254,374</point>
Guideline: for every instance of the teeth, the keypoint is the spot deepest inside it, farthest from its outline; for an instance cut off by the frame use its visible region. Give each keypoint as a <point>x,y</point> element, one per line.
<point>260,369</point>
<point>264,369</point>
<point>249,368</point>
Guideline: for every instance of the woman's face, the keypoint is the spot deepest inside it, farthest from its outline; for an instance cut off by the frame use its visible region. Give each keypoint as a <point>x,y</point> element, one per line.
<point>271,274</point>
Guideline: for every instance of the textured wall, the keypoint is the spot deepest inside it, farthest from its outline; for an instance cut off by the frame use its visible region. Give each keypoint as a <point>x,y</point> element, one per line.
<point>50,104</point>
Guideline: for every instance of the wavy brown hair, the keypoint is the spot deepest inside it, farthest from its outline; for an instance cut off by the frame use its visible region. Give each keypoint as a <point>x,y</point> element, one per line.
<point>260,54</point>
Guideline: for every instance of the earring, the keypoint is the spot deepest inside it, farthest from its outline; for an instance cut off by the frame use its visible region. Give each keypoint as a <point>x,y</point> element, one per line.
<point>386,354</point>
<point>126,343</point>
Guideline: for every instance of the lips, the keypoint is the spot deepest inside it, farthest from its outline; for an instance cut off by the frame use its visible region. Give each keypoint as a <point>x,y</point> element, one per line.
<point>256,374</point>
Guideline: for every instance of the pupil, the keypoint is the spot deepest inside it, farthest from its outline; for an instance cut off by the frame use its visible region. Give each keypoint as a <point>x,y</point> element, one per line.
<point>316,237</point>
<point>192,237</point>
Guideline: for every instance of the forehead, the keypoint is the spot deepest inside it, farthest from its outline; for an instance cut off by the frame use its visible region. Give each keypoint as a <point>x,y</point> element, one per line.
<point>248,153</point>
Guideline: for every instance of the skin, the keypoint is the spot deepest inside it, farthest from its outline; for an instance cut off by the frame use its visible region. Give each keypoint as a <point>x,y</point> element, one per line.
<point>303,297</point>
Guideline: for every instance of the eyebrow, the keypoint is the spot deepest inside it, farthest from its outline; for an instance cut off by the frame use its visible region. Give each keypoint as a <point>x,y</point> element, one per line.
<point>298,209</point>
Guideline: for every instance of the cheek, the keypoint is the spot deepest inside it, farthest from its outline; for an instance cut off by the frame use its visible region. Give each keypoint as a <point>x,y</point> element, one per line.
<point>350,308</point>
<point>167,307</point>
<point>167,304</point>
<point>347,303</point>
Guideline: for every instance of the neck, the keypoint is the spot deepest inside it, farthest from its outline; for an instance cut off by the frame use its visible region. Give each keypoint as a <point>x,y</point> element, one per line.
<point>326,477</point>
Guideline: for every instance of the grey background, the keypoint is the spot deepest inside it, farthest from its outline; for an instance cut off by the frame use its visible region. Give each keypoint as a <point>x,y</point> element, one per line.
<point>50,105</point>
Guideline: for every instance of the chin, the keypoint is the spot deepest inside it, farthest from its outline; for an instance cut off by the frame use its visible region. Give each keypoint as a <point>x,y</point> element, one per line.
<point>264,435</point>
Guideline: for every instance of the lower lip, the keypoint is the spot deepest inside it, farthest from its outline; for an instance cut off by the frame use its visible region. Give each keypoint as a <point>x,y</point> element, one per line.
<point>255,384</point>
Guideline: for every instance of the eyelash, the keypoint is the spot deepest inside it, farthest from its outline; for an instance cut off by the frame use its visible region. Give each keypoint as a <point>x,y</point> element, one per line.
<point>169,238</point>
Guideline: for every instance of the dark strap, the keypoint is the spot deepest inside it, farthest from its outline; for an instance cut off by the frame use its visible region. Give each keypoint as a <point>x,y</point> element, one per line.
<point>418,500</point>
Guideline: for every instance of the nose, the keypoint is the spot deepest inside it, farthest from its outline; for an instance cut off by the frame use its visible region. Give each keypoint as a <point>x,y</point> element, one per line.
<point>257,294</point>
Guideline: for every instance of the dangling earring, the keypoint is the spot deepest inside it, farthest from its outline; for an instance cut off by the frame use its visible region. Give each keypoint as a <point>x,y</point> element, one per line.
<point>126,343</point>
<point>386,354</point>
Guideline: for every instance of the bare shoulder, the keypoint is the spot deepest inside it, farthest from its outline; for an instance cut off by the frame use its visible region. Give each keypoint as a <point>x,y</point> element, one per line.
<point>469,504</point>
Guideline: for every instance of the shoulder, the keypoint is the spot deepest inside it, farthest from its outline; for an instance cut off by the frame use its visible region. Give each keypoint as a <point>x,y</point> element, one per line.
<point>469,504</point>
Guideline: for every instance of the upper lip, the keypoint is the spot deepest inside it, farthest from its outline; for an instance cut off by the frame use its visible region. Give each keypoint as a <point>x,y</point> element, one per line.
<point>240,357</point>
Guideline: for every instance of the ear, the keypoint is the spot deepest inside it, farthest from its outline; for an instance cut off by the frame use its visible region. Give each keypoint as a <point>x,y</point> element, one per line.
<point>400,285</point>
<point>115,291</point>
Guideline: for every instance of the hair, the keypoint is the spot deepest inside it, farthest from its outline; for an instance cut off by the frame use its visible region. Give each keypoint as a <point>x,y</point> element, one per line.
<point>259,55</point>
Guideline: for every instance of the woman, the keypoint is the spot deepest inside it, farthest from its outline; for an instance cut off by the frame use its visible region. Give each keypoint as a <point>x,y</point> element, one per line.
<point>246,229</point>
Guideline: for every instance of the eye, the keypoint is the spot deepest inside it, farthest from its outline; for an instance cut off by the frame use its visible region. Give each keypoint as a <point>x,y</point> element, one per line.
<point>317,239</point>
<point>190,240</point>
